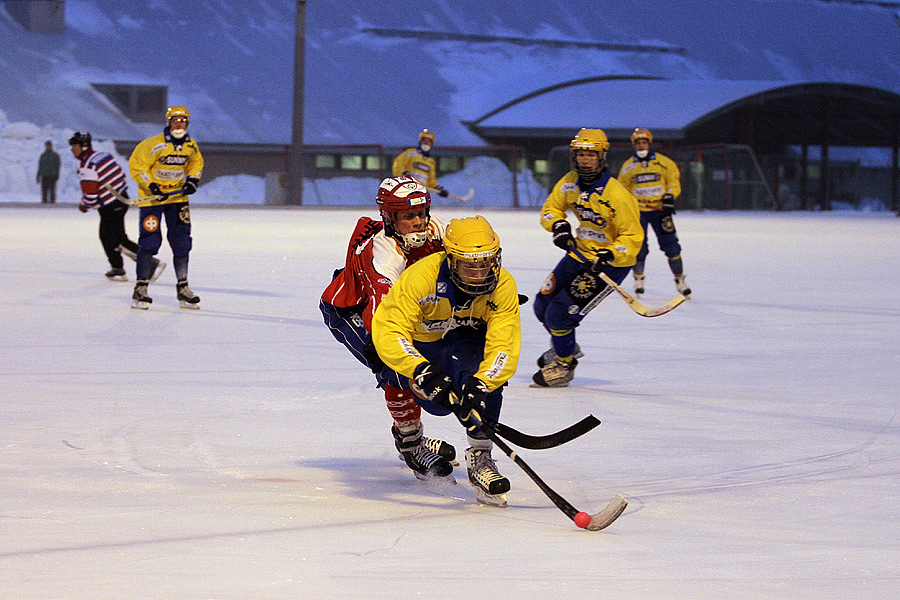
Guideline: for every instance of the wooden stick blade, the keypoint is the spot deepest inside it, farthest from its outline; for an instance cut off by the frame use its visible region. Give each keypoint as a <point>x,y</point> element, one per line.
<point>467,197</point>
<point>637,306</point>
<point>605,517</point>
<point>646,311</point>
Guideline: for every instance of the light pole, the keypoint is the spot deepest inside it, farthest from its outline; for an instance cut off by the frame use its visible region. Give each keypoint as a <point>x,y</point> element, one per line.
<point>296,174</point>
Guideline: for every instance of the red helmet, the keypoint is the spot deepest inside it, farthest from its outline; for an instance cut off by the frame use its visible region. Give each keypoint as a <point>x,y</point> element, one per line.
<point>397,194</point>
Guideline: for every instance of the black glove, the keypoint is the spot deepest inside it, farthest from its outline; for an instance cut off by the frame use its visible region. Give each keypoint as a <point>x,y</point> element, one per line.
<point>155,189</point>
<point>473,404</point>
<point>371,355</point>
<point>190,185</point>
<point>668,204</point>
<point>434,383</point>
<point>442,192</point>
<point>604,257</point>
<point>562,234</point>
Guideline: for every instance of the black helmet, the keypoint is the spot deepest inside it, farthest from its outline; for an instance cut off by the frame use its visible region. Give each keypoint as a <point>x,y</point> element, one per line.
<point>80,138</point>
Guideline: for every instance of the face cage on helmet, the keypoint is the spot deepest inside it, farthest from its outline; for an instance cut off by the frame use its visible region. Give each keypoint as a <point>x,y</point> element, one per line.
<point>479,288</point>
<point>415,239</point>
<point>587,174</point>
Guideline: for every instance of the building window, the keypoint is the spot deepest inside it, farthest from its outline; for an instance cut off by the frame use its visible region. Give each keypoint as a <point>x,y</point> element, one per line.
<point>139,103</point>
<point>351,162</point>
<point>449,164</point>
<point>325,161</point>
<point>373,163</point>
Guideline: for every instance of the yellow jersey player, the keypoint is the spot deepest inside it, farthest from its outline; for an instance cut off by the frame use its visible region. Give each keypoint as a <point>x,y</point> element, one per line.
<point>451,324</point>
<point>655,181</point>
<point>167,166</point>
<point>418,164</point>
<point>608,236</point>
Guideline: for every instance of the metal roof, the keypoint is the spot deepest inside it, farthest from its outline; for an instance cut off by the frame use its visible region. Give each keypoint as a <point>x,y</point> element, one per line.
<point>697,111</point>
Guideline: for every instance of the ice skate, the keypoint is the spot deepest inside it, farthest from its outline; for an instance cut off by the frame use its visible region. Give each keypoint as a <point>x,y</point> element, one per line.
<point>128,253</point>
<point>489,485</point>
<point>550,356</point>
<point>156,269</point>
<point>440,447</point>
<point>140,299</point>
<point>187,298</point>
<point>116,275</point>
<point>638,284</point>
<point>555,374</point>
<point>682,286</point>
<point>424,462</point>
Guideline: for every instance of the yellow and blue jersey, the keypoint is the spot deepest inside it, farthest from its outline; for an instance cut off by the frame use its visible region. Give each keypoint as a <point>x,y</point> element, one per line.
<point>649,178</point>
<point>422,168</point>
<point>159,160</point>
<point>608,216</point>
<point>422,307</point>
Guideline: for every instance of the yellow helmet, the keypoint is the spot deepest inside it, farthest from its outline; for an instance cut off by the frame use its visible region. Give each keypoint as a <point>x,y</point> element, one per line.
<point>642,134</point>
<point>178,111</point>
<point>473,254</point>
<point>426,135</point>
<point>589,139</point>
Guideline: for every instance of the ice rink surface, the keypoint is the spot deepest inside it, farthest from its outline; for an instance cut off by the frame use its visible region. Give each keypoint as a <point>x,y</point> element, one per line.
<point>239,452</point>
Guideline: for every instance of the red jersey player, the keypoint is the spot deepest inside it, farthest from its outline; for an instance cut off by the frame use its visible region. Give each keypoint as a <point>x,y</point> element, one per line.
<point>378,253</point>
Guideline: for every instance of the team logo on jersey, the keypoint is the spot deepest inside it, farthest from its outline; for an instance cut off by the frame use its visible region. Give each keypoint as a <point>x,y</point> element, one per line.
<point>173,159</point>
<point>583,286</point>
<point>587,214</point>
<point>647,177</point>
<point>549,284</point>
<point>357,320</point>
<point>438,325</point>
<point>441,287</point>
<point>569,187</point>
<point>150,223</point>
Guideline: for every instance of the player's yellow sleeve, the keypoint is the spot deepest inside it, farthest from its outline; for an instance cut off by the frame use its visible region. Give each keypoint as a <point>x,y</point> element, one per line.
<point>141,162</point>
<point>625,231</point>
<point>396,317</point>
<point>401,164</point>
<point>502,342</point>
<point>671,174</point>
<point>625,175</point>
<point>556,204</point>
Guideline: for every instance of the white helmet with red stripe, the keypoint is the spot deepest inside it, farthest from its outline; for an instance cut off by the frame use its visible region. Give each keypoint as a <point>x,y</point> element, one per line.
<point>398,194</point>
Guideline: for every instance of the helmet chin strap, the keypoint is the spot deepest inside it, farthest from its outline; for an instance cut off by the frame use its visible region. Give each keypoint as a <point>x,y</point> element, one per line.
<point>642,153</point>
<point>178,133</point>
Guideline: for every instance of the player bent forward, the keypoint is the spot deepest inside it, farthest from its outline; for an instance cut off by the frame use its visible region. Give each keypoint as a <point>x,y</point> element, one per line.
<point>451,323</point>
<point>378,253</point>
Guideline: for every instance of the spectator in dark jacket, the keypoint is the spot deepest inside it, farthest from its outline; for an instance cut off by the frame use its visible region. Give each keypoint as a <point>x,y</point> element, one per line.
<point>48,173</point>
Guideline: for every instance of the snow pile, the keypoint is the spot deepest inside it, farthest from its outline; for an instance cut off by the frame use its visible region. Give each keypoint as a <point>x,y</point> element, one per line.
<point>21,145</point>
